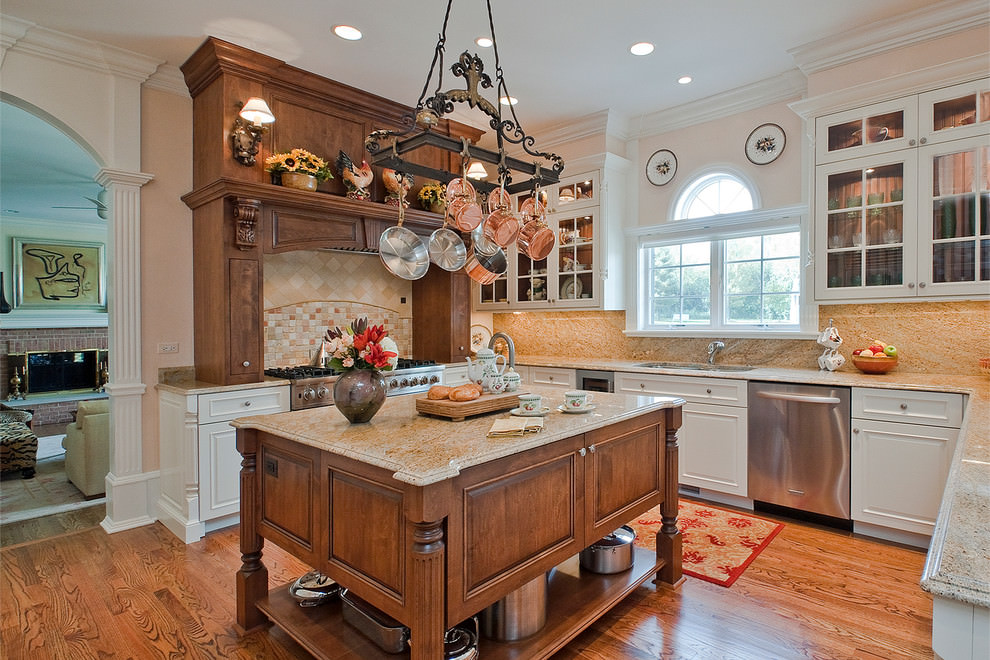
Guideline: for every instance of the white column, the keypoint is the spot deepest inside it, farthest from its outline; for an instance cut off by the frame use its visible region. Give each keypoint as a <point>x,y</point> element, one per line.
<point>128,500</point>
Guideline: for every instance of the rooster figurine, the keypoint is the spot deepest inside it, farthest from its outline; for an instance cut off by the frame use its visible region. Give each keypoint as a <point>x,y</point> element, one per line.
<point>357,179</point>
<point>397,185</point>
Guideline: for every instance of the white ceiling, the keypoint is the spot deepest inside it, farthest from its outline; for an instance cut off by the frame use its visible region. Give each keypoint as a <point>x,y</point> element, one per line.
<point>564,59</point>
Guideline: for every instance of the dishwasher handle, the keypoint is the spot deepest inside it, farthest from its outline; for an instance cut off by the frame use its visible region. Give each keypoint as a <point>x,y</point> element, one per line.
<point>800,398</point>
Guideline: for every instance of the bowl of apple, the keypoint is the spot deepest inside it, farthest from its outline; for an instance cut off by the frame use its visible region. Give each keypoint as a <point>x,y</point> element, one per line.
<point>877,358</point>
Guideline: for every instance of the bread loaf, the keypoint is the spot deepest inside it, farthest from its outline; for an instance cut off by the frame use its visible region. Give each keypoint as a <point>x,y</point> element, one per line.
<point>438,392</point>
<point>468,392</point>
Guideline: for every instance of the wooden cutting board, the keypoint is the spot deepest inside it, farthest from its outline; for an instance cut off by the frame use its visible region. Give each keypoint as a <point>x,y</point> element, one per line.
<point>456,411</point>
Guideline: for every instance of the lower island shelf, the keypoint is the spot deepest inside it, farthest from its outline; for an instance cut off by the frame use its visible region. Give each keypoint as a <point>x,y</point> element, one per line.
<point>575,599</point>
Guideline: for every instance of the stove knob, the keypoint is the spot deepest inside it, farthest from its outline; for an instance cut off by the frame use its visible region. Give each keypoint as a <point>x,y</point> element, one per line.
<point>394,384</point>
<point>308,394</point>
<point>322,392</point>
<point>423,380</point>
<point>404,382</point>
<point>434,379</point>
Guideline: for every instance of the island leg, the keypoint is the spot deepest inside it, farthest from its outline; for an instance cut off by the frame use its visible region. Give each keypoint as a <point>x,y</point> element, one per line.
<point>429,583</point>
<point>668,536</point>
<point>252,578</point>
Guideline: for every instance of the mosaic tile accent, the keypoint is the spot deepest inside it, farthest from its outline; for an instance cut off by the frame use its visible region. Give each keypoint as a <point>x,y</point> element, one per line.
<point>929,337</point>
<point>308,291</point>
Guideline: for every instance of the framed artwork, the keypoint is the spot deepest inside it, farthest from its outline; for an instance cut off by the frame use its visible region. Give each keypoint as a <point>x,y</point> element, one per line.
<point>52,274</point>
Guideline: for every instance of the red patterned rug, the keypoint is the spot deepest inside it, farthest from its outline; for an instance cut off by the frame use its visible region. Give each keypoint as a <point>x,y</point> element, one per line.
<point>718,544</point>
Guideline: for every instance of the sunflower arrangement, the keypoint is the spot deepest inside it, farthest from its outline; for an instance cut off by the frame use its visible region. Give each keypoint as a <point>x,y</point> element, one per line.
<point>432,194</point>
<point>301,161</point>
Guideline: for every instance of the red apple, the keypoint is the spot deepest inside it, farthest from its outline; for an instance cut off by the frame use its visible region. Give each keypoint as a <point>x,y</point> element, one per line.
<point>857,351</point>
<point>876,348</point>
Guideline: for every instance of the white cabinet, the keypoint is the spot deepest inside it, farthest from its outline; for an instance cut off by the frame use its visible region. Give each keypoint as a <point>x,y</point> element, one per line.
<point>902,197</point>
<point>553,376</point>
<point>454,375</point>
<point>584,270</point>
<point>902,446</point>
<point>199,462</point>
<point>713,443</point>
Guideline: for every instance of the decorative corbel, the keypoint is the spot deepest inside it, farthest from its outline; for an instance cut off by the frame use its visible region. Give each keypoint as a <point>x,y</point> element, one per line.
<point>246,213</point>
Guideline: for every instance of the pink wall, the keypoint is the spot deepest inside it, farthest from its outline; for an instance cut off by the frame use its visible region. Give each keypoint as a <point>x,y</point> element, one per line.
<point>166,248</point>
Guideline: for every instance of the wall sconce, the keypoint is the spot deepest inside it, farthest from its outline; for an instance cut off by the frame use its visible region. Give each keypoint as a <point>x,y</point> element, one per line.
<point>477,171</point>
<point>249,126</point>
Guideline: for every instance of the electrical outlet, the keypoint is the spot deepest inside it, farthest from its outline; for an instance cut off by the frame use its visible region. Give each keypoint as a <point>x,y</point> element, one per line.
<point>171,347</point>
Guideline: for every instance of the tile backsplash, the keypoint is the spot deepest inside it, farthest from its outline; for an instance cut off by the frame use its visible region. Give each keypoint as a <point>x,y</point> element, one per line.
<point>942,337</point>
<point>307,292</point>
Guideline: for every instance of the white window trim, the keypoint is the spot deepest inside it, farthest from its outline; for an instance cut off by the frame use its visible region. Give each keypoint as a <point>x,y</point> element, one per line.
<point>720,227</point>
<point>692,179</point>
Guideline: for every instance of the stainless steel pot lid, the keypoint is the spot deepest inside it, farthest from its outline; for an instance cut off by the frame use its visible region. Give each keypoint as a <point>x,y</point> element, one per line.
<point>403,253</point>
<point>447,250</point>
<point>622,536</point>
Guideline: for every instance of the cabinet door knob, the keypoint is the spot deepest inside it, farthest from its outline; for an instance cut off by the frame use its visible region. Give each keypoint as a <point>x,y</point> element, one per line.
<point>924,140</point>
<point>582,451</point>
<point>911,142</point>
<point>642,386</point>
<point>246,363</point>
<point>910,285</point>
<point>591,448</point>
<point>855,430</point>
<point>921,285</point>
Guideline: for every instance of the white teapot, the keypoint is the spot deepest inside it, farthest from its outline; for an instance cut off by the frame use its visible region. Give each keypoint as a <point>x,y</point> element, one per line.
<point>486,368</point>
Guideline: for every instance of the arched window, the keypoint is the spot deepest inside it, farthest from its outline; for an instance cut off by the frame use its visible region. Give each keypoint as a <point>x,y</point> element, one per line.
<point>715,193</point>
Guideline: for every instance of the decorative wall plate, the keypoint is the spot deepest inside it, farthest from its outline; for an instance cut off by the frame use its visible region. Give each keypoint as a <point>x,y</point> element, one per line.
<point>661,167</point>
<point>480,336</point>
<point>765,143</point>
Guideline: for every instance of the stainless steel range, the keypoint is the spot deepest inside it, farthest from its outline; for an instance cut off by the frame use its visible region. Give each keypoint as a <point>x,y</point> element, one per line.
<point>311,387</point>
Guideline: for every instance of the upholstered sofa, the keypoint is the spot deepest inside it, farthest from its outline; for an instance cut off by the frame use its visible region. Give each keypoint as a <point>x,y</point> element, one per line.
<point>18,443</point>
<point>87,447</point>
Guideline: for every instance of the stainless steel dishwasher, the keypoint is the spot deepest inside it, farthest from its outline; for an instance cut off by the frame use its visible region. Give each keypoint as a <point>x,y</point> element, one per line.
<point>799,447</point>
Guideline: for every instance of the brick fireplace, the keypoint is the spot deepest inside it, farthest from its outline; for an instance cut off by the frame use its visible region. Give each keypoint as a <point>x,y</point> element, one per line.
<point>18,342</point>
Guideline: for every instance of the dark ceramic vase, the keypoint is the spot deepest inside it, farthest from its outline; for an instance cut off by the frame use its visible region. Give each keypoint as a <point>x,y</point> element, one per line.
<point>358,394</point>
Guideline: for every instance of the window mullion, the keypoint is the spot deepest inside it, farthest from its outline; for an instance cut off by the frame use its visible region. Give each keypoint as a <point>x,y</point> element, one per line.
<point>718,284</point>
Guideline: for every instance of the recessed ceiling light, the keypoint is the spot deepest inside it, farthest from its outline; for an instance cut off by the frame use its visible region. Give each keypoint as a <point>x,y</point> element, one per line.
<point>684,80</point>
<point>642,48</point>
<point>484,42</point>
<point>347,32</point>
<point>508,100</point>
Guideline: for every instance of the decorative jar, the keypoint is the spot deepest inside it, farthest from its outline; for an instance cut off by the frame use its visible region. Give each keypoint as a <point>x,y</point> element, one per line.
<point>359,393</point>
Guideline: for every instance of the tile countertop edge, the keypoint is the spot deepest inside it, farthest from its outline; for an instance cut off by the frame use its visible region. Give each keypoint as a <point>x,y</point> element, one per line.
<point>401,471</point>
<point>959,552</point>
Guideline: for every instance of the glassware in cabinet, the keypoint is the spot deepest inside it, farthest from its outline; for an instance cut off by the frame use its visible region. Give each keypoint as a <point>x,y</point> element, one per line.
<point>496,292</point>
<point>576,256</point>
<point>955,112</point>
<point>531,279</point>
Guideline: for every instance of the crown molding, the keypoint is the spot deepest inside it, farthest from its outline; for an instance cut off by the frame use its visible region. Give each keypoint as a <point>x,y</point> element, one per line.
<point>102,58</point>
<point>12,30</point>
<point>784,87</point>
<point>168,78</point>
<point>912,82</point>
<point>937,20</point>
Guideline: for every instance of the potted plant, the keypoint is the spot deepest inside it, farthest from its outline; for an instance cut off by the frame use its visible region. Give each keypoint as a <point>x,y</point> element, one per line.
<point>433,197</point>
<point>298,169</point>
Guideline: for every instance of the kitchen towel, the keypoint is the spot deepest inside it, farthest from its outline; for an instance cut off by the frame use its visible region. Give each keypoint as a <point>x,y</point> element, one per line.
<point>515,427</point>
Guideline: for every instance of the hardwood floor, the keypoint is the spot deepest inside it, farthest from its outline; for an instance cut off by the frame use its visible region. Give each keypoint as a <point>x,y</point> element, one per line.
<point>813,593</point>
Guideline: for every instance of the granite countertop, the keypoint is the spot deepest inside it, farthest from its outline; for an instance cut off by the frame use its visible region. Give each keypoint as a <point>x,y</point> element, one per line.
<point>421,450</point>
<point>958,563</point>
<point>183,381</point>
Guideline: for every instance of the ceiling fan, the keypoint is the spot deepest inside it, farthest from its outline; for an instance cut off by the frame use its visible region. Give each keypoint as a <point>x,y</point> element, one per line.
<point>99,203</point>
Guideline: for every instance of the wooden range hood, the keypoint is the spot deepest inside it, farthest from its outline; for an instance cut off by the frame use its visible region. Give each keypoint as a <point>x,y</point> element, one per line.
<point>238,215</point>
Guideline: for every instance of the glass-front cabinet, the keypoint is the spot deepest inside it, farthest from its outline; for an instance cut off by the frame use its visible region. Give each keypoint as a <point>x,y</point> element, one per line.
<point>910,221</point>
<point>569,276</point>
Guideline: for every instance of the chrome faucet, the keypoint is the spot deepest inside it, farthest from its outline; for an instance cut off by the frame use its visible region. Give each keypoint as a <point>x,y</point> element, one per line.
<point>714,348</point>
<point>508,342</point>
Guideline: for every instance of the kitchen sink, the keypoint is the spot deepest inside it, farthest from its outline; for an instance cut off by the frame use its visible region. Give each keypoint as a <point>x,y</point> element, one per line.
<point>694,366</point>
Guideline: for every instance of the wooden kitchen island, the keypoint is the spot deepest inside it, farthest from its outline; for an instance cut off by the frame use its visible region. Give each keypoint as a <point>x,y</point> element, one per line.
<point>430,521</point>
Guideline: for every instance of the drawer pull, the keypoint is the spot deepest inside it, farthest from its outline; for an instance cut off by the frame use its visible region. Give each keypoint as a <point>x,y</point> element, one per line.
<point>247,404</point>
<point>708,390</point>
<point>642,386</point>
<point>903,406</point>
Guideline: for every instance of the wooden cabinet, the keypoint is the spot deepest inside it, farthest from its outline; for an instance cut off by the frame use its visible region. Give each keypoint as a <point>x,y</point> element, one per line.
<point>198,462</point>
<point>902,446</point>
<point>444,551</point>
<point>238,215</point>
<point>584,270</point>
<point>441,300</point>
<point>714,447</point>
<point>902,197</point>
